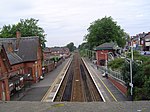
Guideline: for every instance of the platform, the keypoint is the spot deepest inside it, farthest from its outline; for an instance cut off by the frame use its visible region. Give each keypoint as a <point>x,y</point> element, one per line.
<point>52,91</point>
<point>106,88</point>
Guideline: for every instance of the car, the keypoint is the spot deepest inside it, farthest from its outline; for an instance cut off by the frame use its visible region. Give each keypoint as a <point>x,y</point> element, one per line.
<point>142,52</point>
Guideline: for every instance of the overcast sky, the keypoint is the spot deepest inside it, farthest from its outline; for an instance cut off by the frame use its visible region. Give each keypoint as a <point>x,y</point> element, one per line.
<point>66,21</point>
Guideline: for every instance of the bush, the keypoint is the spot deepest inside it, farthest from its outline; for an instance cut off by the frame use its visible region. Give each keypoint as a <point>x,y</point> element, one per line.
<point>116,64</point>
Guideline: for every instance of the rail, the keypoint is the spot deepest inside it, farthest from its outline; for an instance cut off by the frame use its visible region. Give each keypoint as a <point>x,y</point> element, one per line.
<point>116,75</point>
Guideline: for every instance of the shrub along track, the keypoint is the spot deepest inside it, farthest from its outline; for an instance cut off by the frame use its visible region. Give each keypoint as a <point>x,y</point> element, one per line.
<point>77,85</point>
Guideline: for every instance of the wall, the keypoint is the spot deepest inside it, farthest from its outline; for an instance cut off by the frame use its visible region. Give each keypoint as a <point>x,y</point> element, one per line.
<point>4,88</point>
<point>100,56</point>
<point>16,69</point>
<point>119,85</point>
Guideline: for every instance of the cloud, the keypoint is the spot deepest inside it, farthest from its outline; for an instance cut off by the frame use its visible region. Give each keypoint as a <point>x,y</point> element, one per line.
<point>66,21</point>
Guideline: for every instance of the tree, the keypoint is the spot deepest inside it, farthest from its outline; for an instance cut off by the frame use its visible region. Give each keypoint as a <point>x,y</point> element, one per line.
<point>71,46</point>
<point>27,27</point>
<point>105,30</point>
<point>83,46</point>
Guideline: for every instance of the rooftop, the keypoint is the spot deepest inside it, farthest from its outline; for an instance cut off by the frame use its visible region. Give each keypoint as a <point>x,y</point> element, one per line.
<point>107,46</point>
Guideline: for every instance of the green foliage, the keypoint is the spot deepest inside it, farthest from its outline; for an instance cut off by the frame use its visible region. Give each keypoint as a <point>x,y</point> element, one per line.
<point>83,46</point>
<point>27,27</point>
<point>8,31</point>
<point>140,73</point>
<point>83,53</point>
<point>142,93</point>
<point>71,46</point>
<point>105,30</point>
<point>115,64</point>
<point>141,78</point>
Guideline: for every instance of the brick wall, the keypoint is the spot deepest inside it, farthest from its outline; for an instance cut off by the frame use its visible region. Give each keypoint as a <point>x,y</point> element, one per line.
<point>119,85</point>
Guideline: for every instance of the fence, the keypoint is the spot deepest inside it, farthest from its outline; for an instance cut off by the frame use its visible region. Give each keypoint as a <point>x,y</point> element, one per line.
<point>116,75</point>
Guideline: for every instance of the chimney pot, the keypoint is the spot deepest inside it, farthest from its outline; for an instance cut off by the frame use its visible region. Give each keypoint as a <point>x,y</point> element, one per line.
<point>18,34</point>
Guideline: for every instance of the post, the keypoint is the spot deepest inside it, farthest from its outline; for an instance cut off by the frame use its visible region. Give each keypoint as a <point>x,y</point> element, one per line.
<point>131,77</point>
<point>131,83</point>
<point>106,73</point>
<point>132,53</point>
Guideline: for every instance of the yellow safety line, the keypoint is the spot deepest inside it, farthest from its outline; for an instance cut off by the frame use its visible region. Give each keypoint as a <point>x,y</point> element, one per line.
<point>107,88</point>
<point>52,85</point>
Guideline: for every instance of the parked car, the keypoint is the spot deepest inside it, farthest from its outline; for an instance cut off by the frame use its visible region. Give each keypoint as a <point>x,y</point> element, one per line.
<point>145,52</point>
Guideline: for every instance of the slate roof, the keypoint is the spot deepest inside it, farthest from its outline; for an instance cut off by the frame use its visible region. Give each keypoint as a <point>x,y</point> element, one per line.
<point>14,58</point>
<point>28,48</point>
<point>147,37</point>
<point>107,46</point>
<point>24,48</point>
<point>57,49</point>
<point>2,49</point>
<point>46,50</point>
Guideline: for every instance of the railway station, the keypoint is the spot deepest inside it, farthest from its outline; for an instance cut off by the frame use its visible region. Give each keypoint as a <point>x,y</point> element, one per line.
<point>81,81</point>
<point>77,83</point>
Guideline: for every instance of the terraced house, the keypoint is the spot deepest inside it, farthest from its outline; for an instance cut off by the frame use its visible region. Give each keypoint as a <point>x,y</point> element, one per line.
<point>25,58</point>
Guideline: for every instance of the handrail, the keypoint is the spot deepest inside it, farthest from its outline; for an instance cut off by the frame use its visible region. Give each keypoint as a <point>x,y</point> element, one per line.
<point>117,75</point>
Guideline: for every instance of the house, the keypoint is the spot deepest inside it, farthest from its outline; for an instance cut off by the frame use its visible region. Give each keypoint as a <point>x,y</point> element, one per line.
<point>103,50</point>
<point>141,42</point>
<point>60,52</point>
<point>66,52</point>
<point>53,56</point>
<point>25,58</point>
<point>48,64</point>
<point>146,42</point>
<point>137,41</point>
<point>4,68</point>
<point>25,54</point>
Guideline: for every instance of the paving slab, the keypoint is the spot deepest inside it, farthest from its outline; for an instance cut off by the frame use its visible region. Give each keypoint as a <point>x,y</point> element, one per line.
<point>26,106</point>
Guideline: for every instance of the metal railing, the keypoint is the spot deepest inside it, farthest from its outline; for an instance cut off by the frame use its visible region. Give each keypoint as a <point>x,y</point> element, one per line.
<point>115,74</point>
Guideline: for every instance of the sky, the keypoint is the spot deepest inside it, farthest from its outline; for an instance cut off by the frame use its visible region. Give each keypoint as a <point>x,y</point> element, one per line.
<point>66,21</point>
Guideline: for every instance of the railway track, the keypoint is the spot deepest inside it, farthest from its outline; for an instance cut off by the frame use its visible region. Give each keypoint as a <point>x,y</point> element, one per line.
<point>77,85</point>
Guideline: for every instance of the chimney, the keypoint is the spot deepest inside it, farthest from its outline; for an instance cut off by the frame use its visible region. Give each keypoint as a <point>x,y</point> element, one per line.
<point>18,34</point>
<point>10,47</point>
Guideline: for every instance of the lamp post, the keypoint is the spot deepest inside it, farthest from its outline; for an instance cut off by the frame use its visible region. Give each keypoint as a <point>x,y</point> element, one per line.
<point>131,77</point>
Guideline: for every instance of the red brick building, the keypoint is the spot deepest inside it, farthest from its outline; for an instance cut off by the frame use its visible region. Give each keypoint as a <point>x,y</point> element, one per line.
<point>48,64</point>
<point>103,50</point>
<point>4,67</point>
<point>25,57</point>
<point>49,53</point>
